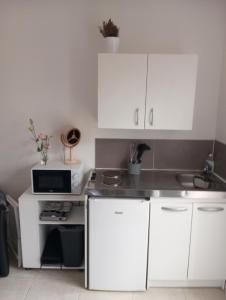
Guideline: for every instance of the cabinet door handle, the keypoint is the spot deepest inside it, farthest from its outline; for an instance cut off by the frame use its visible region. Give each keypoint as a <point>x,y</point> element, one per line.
<point>174,209</point>
<point>137,116</point>
<point>151,116</point>
<point>210,209</point>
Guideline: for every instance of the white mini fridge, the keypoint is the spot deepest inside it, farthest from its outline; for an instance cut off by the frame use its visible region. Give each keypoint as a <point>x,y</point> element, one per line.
<point>117,244</point>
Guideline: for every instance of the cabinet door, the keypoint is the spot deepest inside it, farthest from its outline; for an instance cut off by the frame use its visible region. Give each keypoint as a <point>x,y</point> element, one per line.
<point>170,228</point>
<point>121,90</point>
<point>208,242</point>
<point>171,86</point>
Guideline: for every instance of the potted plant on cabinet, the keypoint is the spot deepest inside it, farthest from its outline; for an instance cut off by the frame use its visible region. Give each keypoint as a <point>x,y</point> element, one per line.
<point>110,33</point>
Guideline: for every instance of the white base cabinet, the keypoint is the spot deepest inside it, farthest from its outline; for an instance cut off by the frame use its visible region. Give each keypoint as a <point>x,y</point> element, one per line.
<point>170,228</point>
<point>208,242</point>
<point>30,235</point>
<point>187,241</point>
<point>34,231</point>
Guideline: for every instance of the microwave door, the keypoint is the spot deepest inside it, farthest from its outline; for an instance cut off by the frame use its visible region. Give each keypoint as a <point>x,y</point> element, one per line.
<point>51,181</point>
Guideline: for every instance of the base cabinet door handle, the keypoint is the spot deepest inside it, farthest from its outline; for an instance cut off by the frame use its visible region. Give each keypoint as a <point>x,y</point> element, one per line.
<point>174,209</point>
<point>210,209</point>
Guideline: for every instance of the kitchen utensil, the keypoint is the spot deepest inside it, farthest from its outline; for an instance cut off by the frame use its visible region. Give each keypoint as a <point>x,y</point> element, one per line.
<point>141,148</point>
<point>132,154</point>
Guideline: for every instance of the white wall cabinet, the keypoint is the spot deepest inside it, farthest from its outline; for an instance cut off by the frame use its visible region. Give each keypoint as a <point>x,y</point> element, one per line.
<point>140,91</point>
<point>171,85</point>
<point>208,242</point>
<point>170,229</point>
<point>121,90</point>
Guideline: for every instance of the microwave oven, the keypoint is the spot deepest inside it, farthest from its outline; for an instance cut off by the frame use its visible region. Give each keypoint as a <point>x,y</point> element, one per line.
<point>57,178</point>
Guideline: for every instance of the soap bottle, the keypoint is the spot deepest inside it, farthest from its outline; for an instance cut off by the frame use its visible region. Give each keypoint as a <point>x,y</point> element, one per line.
<point>209,165</point>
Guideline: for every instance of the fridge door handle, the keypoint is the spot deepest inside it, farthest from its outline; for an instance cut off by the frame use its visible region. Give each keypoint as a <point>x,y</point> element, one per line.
<point>119,212</point>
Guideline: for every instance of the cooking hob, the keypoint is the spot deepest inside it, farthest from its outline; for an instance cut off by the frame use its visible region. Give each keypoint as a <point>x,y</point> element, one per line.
<point>115,183</point>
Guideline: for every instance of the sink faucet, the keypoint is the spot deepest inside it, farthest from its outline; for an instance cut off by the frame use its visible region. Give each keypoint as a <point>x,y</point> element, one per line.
<point>208,165</point>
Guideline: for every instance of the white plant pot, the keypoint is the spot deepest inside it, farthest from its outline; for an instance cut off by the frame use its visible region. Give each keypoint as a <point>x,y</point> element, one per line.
<point>111,44</point>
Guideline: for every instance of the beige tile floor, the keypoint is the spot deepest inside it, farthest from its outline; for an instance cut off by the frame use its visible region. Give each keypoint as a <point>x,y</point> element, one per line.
<point>68,285</point>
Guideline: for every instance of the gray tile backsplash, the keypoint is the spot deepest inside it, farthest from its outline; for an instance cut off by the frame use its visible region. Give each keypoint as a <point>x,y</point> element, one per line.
<point>165,154</point>
<point>181,154</point>
<point>114,153</point>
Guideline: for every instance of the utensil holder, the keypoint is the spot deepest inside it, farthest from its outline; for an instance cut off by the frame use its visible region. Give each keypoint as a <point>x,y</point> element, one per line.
<point>134,169</point>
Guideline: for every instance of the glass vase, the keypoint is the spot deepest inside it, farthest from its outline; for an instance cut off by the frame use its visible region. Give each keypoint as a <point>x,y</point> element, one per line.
<point>44,158</point>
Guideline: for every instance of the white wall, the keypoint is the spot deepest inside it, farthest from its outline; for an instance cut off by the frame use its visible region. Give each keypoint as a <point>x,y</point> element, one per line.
<point>48,69</point>
<point>221,119</point>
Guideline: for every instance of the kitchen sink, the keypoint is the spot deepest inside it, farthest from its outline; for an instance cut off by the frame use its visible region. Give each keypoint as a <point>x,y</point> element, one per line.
<point>190,180</point>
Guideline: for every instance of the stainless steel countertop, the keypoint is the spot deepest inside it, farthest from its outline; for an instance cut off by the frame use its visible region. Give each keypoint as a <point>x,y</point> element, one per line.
<point>153,184</point>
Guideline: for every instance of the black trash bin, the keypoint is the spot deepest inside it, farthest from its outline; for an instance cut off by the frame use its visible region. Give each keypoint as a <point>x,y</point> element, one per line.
<point>4,255</point>
<point>52,254</point>
<point>72,241</point>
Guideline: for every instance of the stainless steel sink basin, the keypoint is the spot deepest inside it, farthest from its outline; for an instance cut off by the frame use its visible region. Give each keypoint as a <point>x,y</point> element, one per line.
<point>193,181</point>
<point>186,180</point>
